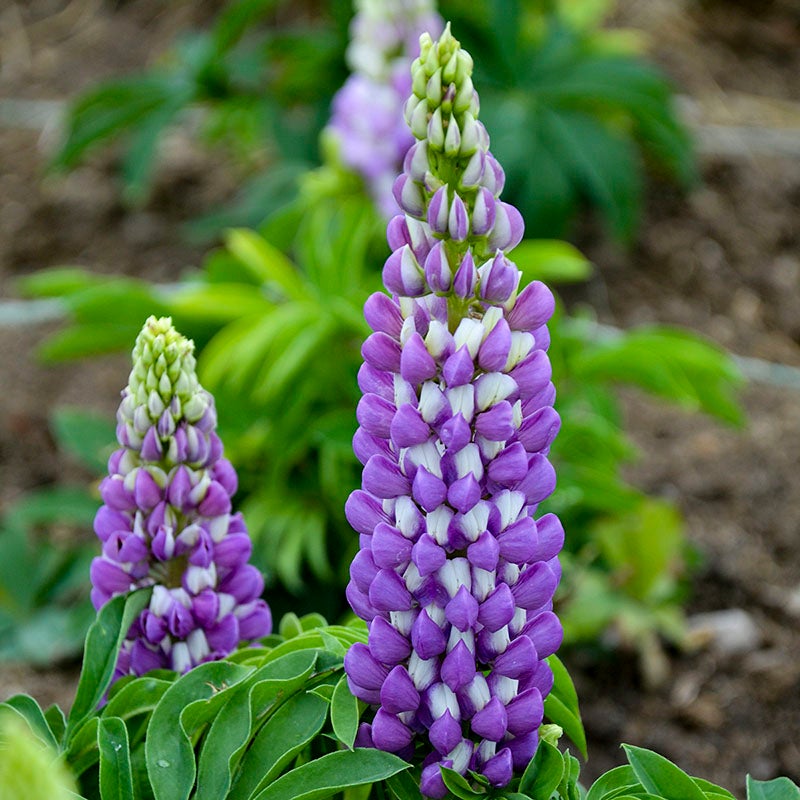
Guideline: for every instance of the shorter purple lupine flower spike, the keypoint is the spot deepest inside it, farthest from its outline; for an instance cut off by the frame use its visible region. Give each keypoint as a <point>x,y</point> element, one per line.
<point>166,521</point>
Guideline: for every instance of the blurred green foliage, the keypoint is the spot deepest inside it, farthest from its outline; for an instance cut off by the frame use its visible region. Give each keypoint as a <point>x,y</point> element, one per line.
<point>575,111</point>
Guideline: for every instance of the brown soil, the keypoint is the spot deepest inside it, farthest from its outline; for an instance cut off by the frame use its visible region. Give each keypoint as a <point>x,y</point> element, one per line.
<point>723,261</point>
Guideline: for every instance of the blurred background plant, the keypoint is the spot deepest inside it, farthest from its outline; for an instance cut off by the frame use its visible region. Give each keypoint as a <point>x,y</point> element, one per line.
<point>574,112</point>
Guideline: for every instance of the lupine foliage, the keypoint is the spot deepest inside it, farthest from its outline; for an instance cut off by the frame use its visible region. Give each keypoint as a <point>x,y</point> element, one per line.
<point>270,723</point>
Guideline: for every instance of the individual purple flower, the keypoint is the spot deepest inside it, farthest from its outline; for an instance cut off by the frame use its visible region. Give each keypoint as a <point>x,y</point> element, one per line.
<point>367,126</point>
<point>166,521</point>
<point>455,575</point>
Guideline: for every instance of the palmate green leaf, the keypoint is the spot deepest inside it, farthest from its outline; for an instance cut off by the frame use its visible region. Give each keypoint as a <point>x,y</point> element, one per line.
<point>611,782</point>
<point>218,303</point>
<point>27,708</point>
<point>285,734</point>
<point>88,436</point>
<point>777,789</point>
<point>459,786</point>
<point>660,776</point>
<point>713,791</point>
<point>59,281</point>
<point>404,786</point>
<point>190,702</point>
<point>344,713</point>
<point>331,773</point>
<point>116,778</point>
<point>561,705</point>
<point>103,642</point>
<point>551,261</point>
<point>114,107</point>
<point>544,772</point>
<point>266,262</point>
<point>138,696</point>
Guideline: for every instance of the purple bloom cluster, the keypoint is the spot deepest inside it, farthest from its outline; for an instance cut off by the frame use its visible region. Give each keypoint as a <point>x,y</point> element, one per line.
<point>166,521</point>
<point>367,124</point>
<point>454,575</point>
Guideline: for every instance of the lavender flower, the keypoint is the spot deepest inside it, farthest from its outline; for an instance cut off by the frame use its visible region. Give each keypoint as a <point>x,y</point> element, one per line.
<point>367,125</point>
<point>166,521</point>
<point>454,576</point>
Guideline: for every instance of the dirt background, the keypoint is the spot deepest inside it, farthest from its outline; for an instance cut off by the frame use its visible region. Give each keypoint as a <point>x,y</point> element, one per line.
<point>724,261</point>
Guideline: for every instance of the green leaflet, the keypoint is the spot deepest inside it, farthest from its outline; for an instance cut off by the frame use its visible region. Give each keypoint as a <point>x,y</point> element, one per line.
<point>344,713</point>
<point>116,778</point>
<point>332,773</point>
<point>27,708</point>
<point>168,748</point>
<point>561,705</point>
<point>777,789</point>
<point>103,642</point>
<point>293,725</point>
<point>544,772</point>
<point>660,776</point>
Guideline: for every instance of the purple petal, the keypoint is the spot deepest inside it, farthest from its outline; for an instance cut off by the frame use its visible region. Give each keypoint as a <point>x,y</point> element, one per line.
<point>390,548</point>
<point>363,569</point>
<point>466,277</point>
<point>455,433</point>
<point>494,351</point>
<point>445,733</point>
<point>491,721</point>
<point>462,610</point>
<point>427,555</point>
<point>510,466</point>
<point>362,668</point>
<point>519,542</point>
<point>416,363</point>
<point>525,712</point>
<point>428,490</point>
<point>540,480</point>
<point>386,643</point>
<point>364,512</point>
<point>551,537</point>
<point>388,592</point>
<point>383,478</point>
<point>459,368</point>
<point>497,423</point>
<point>216,502</point>
<point>376,381</point>
<point>375,415</point>
<point>499,769</point>
<point>458,668</point>
<point>233,550</point>
<point>498,608</point>
<point>484,553</point>
<point>483,214</point>
<point>533,307</point>
<point>383,314</point>
<point>398,693</point>
<point>388,733</point>
<point>382,352</point>
<point>408,428</point>
<point>458,220</point>
<point>523,748</point>
<point>519,659</point>
<point>438,210</point>
<point>532,374</point>
<point>539,429</point>
<point>535,587</point>
<point>508,228</point>
<point>427,637</point>
<point>437,269</point>
<point>256,622</point>
<point>545,632</point>
<point>464,493</point>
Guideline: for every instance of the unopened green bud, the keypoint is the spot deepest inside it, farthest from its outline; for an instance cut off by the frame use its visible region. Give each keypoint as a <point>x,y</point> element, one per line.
<point>551,734</point>
<point>433,89</point>
<point>452,139</point>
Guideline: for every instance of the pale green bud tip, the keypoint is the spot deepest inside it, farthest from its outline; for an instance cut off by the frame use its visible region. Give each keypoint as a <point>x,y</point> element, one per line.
<point>440,64</point>
<point>163,360</point>
<point>551,734</point>
<point>28,767</point>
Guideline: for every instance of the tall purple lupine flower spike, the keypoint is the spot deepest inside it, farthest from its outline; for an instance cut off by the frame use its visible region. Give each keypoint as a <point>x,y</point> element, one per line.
<point>166,521</point>
<point>454,576</point>
<point>367,124</point>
